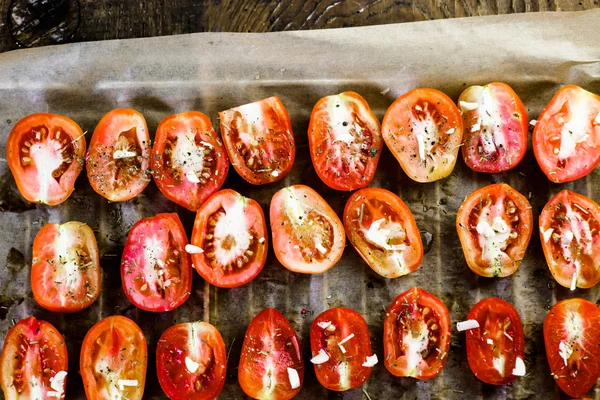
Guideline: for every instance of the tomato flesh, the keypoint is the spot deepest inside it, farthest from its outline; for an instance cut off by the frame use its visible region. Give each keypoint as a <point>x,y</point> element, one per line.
<point>191,362</point>
<point>45,153</point>
<point>416,335</point>
<point>66,274</point>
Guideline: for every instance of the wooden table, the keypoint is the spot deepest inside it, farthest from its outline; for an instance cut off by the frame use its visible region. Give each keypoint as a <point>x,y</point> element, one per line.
<point>32,23</point>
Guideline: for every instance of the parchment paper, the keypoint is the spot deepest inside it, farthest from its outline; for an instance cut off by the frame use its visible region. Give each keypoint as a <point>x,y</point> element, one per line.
<point>534,53</point>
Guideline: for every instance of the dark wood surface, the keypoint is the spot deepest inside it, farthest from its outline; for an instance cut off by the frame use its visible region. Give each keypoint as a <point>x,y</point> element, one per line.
<point>29,23</point>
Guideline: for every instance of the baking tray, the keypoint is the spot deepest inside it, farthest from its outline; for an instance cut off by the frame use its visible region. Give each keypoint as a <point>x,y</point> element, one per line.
<point>209,72</point>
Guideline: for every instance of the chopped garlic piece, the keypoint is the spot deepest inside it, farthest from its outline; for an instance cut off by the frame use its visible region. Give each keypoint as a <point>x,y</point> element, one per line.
<point>476,126</point>
<point>467,106</point>
<point>191,249</point>
<point>191,365</point>
<point>508,336</point>
<point>350,336</point>
<point>342,348</point>
<point>261,240</point>
<point>466,325</point>
<point>565,351</point>
<point>450,131</point>
<point>533,122</point>
<point>326,325</point>
<point>519,369</point>
<point>192,177</point>
<point>547,234</point>
<point>127,382</point>
<point>320,248</point>
<point>371,361</point>
<point>57,382</point>
<point>421,144</point>
<point>275,174</point>
<point>123,154</point>
<point>489,341</point>
<point>320,358</point>
<point>294,378</point>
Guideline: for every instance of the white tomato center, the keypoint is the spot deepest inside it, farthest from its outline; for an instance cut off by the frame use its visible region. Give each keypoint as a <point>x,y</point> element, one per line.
<point>46,157</point>
<point>415,343</point>
<point>232,235</point>
<point>190,158</point>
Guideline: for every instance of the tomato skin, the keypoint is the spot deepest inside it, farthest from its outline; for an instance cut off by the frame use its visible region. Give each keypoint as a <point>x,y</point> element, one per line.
<point>153,245</point>
<point>232,232</point>
<point>360,125</point>
<point>507,128</point>
<point>571,212</point>
<point>502,199</point>
<point>46,355</point>
<point>119,178</point>
<point>579,108</point>
<point>270,346</point>
<point>202,155</point>
<point>403,126</point>
<point>206,349</point>
<point>357,349</point>
<point>409,307</point>
<point>76,266</point>
<point>33,140</point>
<point>575,322</point>
<point>118,345</point>
<point>259,140</point>
<point>489,313</point>
<point>355,218</point>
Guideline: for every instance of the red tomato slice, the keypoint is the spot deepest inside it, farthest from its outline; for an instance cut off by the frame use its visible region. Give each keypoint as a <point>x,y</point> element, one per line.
<point>569,232</point>
<point>259,140</point>
<point>416,335</point>
<point>118,160</point>
<point>271,366</point>
<point>572,335</point>
<point>308,236</point>
<point>230,239</point>
<point>345,141</point>
<point>496,127</point>
<point>343,336</point>
<point>66,274</point>
<point>384,232</point>
<point>566,137</point>
<point>423,129</point>
<point>191,362</point>
<point>493,348</point>
<point>156,271</point>
<point>189,162</point>
<point>33,364</point>
<point>494,225</point>
<point>45,153</point>
<point>113,360</point>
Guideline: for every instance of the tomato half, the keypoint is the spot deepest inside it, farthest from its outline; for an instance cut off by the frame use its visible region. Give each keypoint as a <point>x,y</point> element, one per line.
<point>308,236</point>
<point>416,335</point>
<point>230,236</point>
<point>423,129</point>
<point>384,232</point>
<point>345,141</point>
<point>188,162</point>
<point>118,160</point>
<point>496,127</point>
<point>571,335</point>
<point>113,360</point>
<point>566,137</point>
<point>259,140</point>
<point>191,361</point>
<point>569,232</point>
<point>66,274</point>
<point>343,335</point>
<point>494,225</point>
<point>493,348</point>
<point>45,153</point>
<point>34,361</point>
<point>156,271</point>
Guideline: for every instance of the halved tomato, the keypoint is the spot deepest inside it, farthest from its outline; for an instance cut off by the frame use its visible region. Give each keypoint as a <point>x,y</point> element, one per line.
<point>416,335</point>
<point>188,162</point>
<point>494,225</point>
<point>34,361</point>
<point>566,137</point>
<point>423,129</point>
<point>345,141</point>
<point>156,270</point>
<point>494,347</point>
<point>113,360</point>
<point>572,335</point>
<point>118,160</point>
<point>66,274</point>
<point>570,236</point>
<point>308,236</point>
<point>191,361</point>
<point>271,366</point>
<point>45,153</point>
<point>384,232</point>
<point>341,349</point>
<point>259,140</point>
<point>496,127</point>
<point>230,239</point>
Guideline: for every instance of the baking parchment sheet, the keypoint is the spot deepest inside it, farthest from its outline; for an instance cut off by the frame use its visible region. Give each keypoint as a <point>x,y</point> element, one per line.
<point>208,72</point>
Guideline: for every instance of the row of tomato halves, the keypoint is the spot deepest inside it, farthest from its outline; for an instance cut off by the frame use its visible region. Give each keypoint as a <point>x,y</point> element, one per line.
<point>191,361</point>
